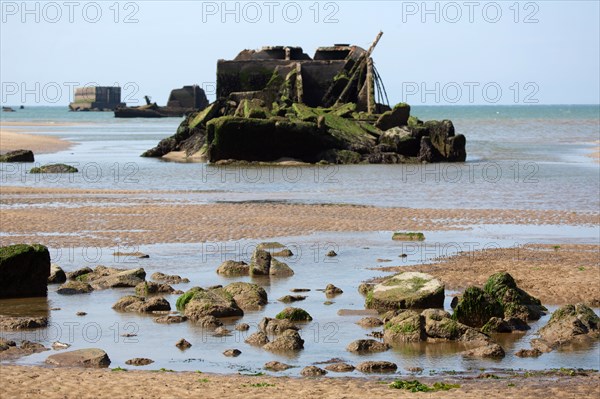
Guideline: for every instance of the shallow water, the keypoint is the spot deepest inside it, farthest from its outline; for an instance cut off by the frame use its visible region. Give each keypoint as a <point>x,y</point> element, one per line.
<point>325,337</point>
<point>519,157</point>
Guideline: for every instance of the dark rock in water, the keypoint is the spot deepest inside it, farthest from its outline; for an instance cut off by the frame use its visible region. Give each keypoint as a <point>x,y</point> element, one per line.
<point>331,290</point>
<point>133,303</point>
<point>233,268</point>
<point>139,361</point>
<point>170,319</point>
<point>54,168</point>
<point>283,253</point>
<point>292,298</point>
<point>340,367</point>
<point>528,353</point>
<point>275,326</point>
<point>476,307</point>
<point>247,296</point>
<point>183,344</point>
<point>17,156</point>
<point>169,278</point>
<point>365,288</point>
<point>376,367</point>
<point>151,288</point>
<point>279,269</point>
<point>276,366</point>
<point>289,340</point>
<point>105,277</point>
<point>312,371</point>
<point>6,344</point>
<point>210,322</point>
<point>11,323</point>
<point>57,275</point>
<point>259,338</point>
<point>367,346</point>
<point>80,314</point>
<point>331,253</point>
<point>369,322</point>
<point>569,324</point>
<point>499,298</point>
<point>95,358</point>
<point>221,332</point>
<point>24,271</point>
<point>74,287</point>
<point>300,290</point>
<point>232,352</point>
<point>491,350</point>
<point>79,272</point>
<point>242,327</point>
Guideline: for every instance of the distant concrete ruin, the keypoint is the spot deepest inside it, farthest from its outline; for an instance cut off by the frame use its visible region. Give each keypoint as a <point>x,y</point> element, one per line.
<point>181,102</point>
<point>335,75</point>
<point>96,98</point>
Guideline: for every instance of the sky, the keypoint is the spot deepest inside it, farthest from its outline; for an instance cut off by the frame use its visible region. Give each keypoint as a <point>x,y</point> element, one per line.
<point>431,53</point>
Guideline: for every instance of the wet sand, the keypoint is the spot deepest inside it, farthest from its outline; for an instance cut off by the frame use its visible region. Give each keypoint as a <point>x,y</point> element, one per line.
<point>98,217</point>
<point>557,275</point>
<point>11,140</point>
<point>40,382</point>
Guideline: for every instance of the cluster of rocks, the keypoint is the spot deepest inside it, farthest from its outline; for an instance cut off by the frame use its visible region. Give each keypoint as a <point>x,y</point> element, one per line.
<point>256,131</point>
<point>263,263</point>
<point>284,335</point>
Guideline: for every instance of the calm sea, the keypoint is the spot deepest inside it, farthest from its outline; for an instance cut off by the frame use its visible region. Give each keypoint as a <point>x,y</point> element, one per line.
<point>519,157</point>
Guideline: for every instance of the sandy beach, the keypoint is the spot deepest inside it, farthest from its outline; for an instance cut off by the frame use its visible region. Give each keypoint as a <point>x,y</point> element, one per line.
<point>12,140</point>
<point>40,382</point>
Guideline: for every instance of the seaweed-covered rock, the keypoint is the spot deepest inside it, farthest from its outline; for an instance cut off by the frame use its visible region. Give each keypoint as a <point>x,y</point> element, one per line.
<point>476,307</point>
<point>408,326</point>
<point>54,168</point>
<point>408,290</point>
<point>139,361</point>
<point>17,156</point>
<point>24,271</point>
<point>289,340</point>
<point>294,314</point>
<point>292,298</point>
<point>233,268</point>
<point>247,296</point>
<point>74,287</point>
<point>500,298</point>
<point>516,302</point>
<point>569,324</point>
<point>367,346</point>
<point>57,275</point>
<point>197,303</point>
<point>79,272</point>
